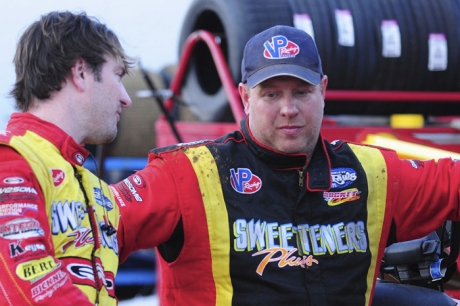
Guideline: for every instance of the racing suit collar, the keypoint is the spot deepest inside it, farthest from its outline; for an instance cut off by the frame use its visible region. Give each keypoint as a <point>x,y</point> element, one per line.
<point>318,174</point>
<point>71,150</point>
<point>318,171</point>
<point>274,159</point>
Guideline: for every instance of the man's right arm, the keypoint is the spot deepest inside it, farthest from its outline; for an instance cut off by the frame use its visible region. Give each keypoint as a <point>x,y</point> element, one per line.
<point>30,273</point>
<point>149,207</point>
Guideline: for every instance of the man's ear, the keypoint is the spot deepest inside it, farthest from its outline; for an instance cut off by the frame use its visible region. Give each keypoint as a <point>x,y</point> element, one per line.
<point>78,74</point>
<point>244,94</point>
<point>324,82</point>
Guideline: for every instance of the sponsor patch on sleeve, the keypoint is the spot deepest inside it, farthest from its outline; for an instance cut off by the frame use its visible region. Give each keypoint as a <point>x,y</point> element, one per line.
<point>35,269</point>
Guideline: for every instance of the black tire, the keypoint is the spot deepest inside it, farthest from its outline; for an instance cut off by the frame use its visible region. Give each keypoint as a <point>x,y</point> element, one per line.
<point>445,22</point>
<point>324,33</point>
<point>367,46</point>
<point>234,22</point>
<point>388,76</point>
<point>360,67</point>
<point>361,57</point>
<point>346,60</point>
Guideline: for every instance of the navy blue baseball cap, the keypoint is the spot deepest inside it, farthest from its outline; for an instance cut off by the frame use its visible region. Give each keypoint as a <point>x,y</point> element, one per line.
<point>281,50</point>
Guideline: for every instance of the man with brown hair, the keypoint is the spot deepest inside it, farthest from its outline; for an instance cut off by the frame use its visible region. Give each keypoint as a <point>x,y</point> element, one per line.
<point>58,221</point>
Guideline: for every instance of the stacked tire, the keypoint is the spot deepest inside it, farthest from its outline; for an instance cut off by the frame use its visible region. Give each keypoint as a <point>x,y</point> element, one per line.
<point>390,45</point>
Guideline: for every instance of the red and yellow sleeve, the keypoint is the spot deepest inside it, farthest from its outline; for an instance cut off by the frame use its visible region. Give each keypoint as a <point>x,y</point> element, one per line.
<point>31,275</point>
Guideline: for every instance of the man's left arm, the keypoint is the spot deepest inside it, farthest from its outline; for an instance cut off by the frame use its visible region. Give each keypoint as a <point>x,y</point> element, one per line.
<point>427,194</point>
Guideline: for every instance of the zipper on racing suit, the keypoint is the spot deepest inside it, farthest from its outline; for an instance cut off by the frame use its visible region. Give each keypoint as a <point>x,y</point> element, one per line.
<point>300,177</point>
<point>90,212</point>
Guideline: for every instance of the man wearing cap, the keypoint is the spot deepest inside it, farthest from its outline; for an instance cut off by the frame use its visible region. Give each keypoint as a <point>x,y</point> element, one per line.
<point>274,214</point>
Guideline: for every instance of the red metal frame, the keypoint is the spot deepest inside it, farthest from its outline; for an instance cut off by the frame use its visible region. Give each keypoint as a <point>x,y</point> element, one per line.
<point>192,131</point>
<point>222,69</point>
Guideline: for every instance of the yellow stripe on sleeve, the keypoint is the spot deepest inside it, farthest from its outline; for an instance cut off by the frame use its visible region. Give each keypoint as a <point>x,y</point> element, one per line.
<point>217,218</point>
<point>375,167</point>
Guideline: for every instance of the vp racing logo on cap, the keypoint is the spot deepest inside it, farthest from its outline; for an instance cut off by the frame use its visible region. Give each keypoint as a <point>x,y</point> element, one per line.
<point>280,47</point>
<point>243,181</point>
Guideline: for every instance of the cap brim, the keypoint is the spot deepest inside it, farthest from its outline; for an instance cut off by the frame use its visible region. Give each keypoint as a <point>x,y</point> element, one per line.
<point>296,71</point>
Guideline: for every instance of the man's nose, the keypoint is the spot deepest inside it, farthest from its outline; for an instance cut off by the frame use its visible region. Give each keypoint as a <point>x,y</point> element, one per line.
<point>289,106</point>
<point>125,99</point>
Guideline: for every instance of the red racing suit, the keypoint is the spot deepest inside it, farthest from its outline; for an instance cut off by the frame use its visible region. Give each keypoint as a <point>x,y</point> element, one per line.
<point>52,248</point>
<point>237,223</point>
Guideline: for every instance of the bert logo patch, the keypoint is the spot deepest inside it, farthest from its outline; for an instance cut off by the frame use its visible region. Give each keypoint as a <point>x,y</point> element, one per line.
<point>36,268</point>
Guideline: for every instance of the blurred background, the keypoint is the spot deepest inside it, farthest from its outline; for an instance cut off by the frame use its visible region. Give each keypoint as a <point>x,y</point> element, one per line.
<point>148,30</point>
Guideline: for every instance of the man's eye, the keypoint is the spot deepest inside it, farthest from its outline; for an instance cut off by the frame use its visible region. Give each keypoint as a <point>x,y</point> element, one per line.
<point>302,93</point>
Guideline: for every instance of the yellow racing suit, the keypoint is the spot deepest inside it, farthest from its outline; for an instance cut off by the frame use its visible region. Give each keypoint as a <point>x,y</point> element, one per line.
<point>53,212</point>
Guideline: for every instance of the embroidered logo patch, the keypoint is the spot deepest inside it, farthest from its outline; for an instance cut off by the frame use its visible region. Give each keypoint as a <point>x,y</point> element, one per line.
<point>13,180</point>
<point>243,181</point>
<point>58,176</point>
<point>339,197</point>
<point>21,229</point>
<point>16,209</point>
<point>36,268</point>
<point>280,47</point>
<point>79,159</point>
<point>137,179</point>
<point>342,177</point>
<point>102,200</point>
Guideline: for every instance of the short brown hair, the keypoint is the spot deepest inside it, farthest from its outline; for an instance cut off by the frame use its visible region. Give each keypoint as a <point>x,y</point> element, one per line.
<point>51,46</point>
